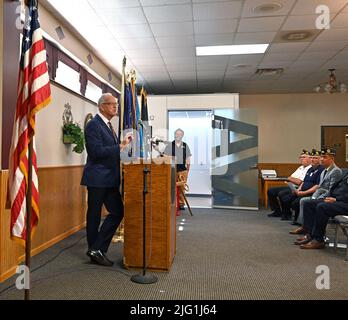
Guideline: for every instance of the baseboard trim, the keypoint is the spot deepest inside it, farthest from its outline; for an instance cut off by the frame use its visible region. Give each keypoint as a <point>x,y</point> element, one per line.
<point>9,273</point>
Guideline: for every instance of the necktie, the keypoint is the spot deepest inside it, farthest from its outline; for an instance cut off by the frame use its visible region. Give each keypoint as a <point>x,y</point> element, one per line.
<point>112,130</point>
<point>325,172</point>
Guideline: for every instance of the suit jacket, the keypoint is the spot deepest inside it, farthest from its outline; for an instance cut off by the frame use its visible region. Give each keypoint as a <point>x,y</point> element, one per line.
<point>102,169</point>
<point>339,190</point>
<point>333,175</point>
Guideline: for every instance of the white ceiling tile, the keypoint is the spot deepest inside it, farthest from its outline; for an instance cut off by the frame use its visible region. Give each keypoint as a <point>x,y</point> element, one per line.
<point>249,5</point>
<point>289,56</point>
<point>122,16</point>
<point>216,10</point>
<point>178,52</point>
<point>303,22</point>
<point>287,47</point>
<point>179,60</point>
<point>189,75</point>
<point>215,26</point>
<point>146,3</point>
<point>333,35</point>
<point>307,64</point>
<point>172,13</point>
<point>254,37</point>
<point>214,39</point>
<point>130,31</point>
<point>317,55</point>
<point>144,53</point>
<point>212,67</point>
<point>172,29</point>
<point>341,21</point>
<point>260,24</point>
<point>137,43</point>
<point>212,60</point>
<point>140,62</point>
<point>275,64</point>
<point>152,69</point>
<point>181,67</point>
<point>113,4</point>
<point>210,74</point>
<point>309,6</point>
<point>335,64</point>
<point>176,42</point>
<point>343,55</point>
<point>245,59</point>
<point>319,46</point>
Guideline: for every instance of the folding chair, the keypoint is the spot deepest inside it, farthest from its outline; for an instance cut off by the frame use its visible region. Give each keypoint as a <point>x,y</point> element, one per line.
<point>341,222</point>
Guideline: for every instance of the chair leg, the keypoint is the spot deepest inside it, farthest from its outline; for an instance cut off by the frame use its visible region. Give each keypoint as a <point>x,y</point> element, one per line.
<point>336,237</point>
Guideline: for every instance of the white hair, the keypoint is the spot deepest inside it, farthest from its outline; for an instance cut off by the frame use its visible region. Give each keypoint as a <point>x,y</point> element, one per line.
<point>102,98</point>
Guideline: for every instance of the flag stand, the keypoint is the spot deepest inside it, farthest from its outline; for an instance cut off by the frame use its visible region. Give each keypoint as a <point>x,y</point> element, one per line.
<point>28,222</point>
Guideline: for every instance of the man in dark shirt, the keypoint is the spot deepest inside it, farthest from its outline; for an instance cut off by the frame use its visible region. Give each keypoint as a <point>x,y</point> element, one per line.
<point>182,153</point>
<point>306,188</point>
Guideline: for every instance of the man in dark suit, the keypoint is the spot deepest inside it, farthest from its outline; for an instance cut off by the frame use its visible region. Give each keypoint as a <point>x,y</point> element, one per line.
<point>101,175</point>
<point>317,213</point>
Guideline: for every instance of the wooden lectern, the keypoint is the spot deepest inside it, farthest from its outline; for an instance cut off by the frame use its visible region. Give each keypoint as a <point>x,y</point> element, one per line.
<point>160,214</point>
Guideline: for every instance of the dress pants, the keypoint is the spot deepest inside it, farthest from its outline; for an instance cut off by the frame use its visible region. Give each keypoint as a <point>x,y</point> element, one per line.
<point>100,239</point>
<point>273,194</point>
<point>300,215</point>
<point>324,211</point>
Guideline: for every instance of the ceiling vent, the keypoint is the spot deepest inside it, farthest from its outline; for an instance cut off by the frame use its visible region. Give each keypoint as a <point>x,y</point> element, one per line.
<point>267,8</point>
<point>269,71</point>
<point>296,36</point>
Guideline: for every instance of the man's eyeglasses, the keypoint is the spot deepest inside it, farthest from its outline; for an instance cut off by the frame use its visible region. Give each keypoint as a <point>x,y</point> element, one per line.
<point>113,103</point>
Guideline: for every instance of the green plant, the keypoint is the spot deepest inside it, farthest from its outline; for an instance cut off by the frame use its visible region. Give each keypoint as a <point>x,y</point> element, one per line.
<point>72,133</point>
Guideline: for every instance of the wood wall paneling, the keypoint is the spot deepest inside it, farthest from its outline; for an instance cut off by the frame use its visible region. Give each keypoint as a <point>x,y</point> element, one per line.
<point>63,204</point>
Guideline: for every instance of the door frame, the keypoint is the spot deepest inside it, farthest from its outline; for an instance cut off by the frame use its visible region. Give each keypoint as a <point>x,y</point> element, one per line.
<point>328,126</point>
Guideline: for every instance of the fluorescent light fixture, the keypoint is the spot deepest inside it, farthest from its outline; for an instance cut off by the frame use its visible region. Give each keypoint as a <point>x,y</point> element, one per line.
<point>231,49</point>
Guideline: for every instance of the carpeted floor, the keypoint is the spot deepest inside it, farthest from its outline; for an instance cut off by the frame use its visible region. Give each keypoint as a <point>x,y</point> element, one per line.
<point>221,254</point>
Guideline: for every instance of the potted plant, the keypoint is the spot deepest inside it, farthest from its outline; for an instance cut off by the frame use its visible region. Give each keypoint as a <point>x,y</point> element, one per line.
<point>73,134</point>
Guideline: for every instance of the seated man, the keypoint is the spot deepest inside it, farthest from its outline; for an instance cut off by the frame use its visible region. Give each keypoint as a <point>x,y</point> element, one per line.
<point>318,212</point>
<point>307,188</point>
<point>329,176</point>
<point>296,178</point>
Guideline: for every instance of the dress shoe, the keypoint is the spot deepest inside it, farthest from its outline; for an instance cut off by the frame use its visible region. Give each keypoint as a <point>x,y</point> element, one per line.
<point>274,214</point>
<point>314,244</point>
<point>299,230</point>
<point>182,207</point>
<point>303,240</point>
<point>99,258</point>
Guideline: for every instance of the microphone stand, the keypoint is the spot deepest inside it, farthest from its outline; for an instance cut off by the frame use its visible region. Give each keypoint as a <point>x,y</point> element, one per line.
<point>144,278</point>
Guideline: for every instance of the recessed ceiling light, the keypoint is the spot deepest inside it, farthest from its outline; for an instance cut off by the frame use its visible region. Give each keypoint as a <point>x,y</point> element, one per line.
<point>231,49</point>
<point>267,7</point>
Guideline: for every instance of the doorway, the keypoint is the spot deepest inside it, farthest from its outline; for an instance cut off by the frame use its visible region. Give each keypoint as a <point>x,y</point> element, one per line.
<point>198,136</point>
<point>336,137</point>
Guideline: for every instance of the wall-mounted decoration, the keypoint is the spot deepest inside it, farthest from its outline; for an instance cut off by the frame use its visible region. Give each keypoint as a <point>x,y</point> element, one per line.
<point>88,118</point>
<point>72,132</point>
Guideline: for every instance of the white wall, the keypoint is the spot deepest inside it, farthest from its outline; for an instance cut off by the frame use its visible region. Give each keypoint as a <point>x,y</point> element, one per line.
<point>290,122</point>
<point>158,107</point>
<point>49,142</point>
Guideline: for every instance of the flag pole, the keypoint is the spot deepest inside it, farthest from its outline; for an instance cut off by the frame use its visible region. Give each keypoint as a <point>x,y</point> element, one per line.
<point>119,236</point>
<point>28,220</point>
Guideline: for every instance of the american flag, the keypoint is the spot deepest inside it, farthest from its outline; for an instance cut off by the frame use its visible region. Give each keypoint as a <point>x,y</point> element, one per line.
<point>34,93</point>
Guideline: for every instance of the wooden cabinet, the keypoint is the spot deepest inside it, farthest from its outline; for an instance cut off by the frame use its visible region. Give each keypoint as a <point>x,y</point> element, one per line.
<point>160,214</point>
